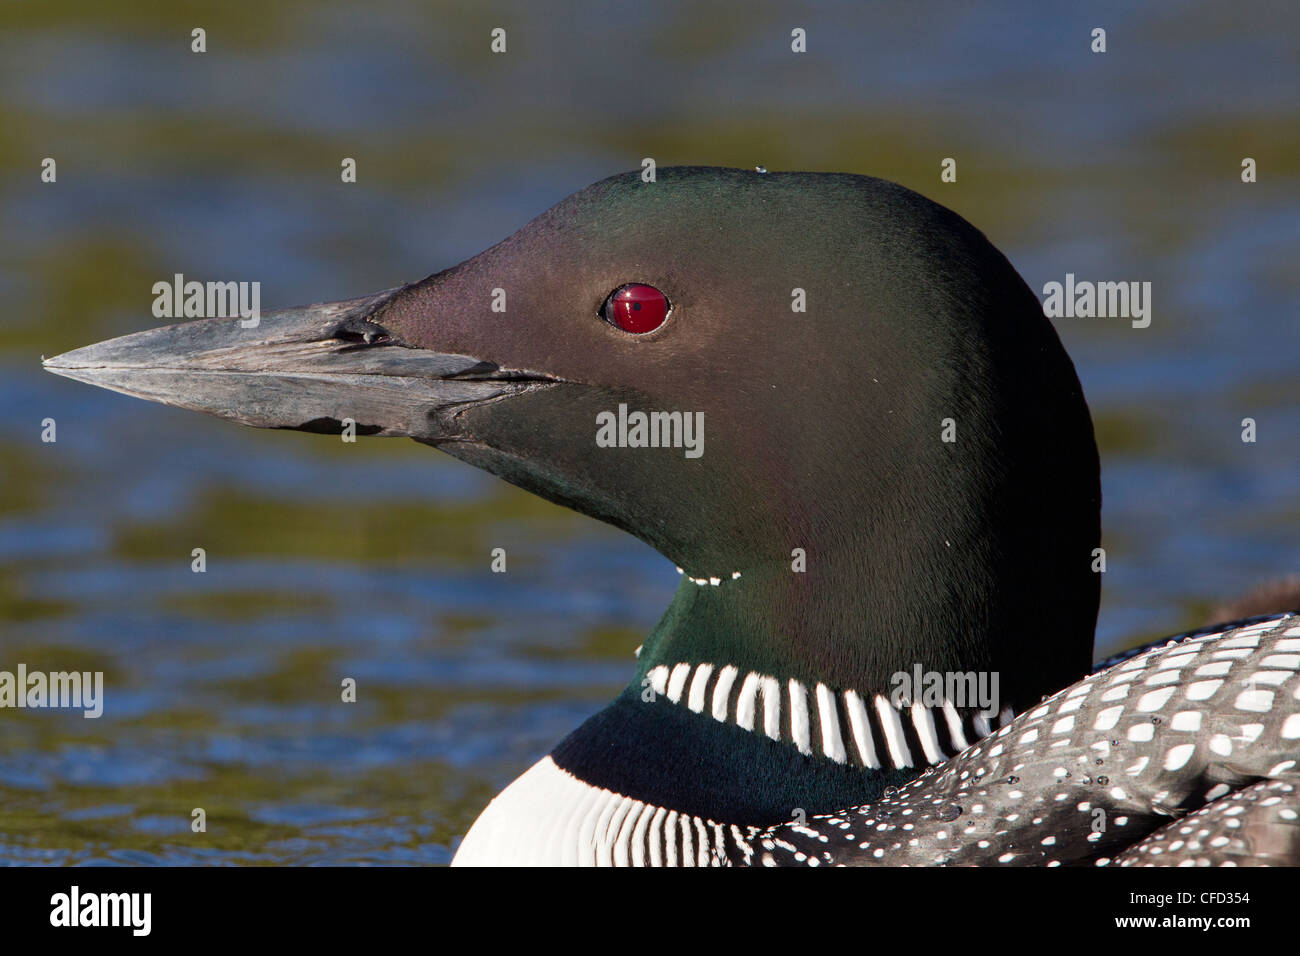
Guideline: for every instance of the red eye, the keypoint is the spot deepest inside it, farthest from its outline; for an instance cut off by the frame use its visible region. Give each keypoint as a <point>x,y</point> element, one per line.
<point>636,308</point>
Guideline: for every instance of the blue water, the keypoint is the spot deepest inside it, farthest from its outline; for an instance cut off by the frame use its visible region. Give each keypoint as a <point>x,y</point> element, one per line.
<point>368,561</point>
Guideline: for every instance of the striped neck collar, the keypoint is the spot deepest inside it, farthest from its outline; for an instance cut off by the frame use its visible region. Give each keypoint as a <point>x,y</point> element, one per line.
<point>846,726</point>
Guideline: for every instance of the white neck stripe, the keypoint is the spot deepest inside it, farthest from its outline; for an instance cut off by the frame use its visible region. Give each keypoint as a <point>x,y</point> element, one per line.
<point>849,728</point>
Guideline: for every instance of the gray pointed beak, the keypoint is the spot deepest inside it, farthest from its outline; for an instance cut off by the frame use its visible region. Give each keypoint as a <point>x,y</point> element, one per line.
<point>312,368</point>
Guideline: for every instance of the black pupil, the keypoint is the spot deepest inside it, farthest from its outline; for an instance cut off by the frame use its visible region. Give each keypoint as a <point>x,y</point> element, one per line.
<point>636,306</point>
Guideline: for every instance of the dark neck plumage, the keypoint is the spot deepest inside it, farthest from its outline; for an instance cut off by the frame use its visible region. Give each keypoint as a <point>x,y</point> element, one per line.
<point>666,755</point>
<point>734,726</point>
<point>769,683</point>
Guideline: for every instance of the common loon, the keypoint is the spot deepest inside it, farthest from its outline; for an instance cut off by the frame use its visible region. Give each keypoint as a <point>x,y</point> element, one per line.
<point>888,543</point>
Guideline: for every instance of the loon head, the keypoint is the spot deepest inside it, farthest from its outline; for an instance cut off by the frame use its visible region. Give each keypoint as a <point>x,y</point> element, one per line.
<point>878,454</point>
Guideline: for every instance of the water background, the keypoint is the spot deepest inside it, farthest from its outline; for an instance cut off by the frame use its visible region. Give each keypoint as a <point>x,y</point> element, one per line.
<point>369,560</point>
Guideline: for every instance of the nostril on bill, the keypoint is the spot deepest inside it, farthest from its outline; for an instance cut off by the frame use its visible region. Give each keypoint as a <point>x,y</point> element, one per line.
<point>358,331</point>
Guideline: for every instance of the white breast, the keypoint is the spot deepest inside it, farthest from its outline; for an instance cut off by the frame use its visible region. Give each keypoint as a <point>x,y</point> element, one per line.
<point>548,817</point>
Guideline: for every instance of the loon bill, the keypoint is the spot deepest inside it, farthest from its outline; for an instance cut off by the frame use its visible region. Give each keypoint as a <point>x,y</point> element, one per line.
<point>900,478</point>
